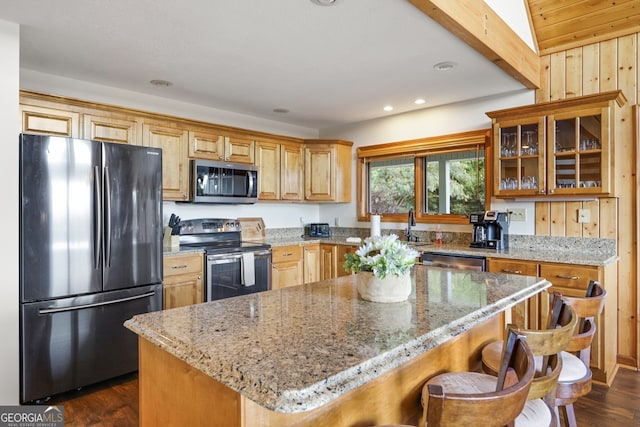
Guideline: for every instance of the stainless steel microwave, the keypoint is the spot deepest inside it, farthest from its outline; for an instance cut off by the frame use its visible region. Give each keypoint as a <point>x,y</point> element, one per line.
<point>223,182</point>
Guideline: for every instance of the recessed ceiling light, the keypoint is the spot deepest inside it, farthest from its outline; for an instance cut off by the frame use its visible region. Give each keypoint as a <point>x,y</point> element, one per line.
<point>280,110</point>
<point>419,101</point>
<point>445,66</point>
<point>388,108</point>
<point>324,2</point>
<point>161,83</point>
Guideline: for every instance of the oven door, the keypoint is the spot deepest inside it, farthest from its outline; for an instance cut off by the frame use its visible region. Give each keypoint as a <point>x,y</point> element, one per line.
<point>237,273</point>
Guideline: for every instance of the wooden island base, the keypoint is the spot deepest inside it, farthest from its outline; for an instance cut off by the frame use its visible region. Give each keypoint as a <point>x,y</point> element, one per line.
<point>172,393</point>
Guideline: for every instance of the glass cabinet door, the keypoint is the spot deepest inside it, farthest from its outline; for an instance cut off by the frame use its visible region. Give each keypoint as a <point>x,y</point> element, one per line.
<point>520,158</point>
<point>577,155</point>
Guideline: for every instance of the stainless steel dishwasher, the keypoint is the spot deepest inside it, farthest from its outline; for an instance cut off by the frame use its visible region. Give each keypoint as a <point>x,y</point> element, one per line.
<point>458,261</point>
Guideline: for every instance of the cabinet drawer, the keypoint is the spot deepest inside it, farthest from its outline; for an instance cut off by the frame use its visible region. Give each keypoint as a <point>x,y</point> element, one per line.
<point>569,276</point>
<point>524,268</point>
<point>182,264</point>
<point>286,253</point>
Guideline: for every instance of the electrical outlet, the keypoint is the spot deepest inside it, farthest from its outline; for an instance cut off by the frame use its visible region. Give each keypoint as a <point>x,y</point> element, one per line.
<point>584,216</point>
<point>336,221</point>
<point>518,215</point>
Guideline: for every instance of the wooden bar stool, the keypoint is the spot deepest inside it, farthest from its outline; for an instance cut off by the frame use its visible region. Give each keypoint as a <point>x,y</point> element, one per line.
<point>471,398</point>
<point>546,344</point>
<point>575,377</point>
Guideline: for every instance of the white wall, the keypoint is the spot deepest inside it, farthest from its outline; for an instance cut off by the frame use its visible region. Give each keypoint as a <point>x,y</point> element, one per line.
<point>428,122</point>
<point>9,84</point>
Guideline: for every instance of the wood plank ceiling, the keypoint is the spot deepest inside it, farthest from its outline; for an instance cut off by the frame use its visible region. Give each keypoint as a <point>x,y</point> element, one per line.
<point>565,24</point>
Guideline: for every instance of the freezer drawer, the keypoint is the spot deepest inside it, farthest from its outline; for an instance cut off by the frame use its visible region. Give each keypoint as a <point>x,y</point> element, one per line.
<point>73,342</point>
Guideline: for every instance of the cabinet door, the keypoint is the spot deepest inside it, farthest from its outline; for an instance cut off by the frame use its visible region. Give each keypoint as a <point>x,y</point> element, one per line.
<point>49,121</point>
<point>525,314</point>
<point>572,280</point>
<point>342,250</point>
<point>520,157</point>
<point>319,172</point>
<point>239,149</point>
<point>175,168</point>
<point>291,176</point>
<point>287,266</point>
<point>206,145</point>
<point>109,129</point>
<point>268,163</point>
<point>578,159</point>
<point>179,291</point>
<point>328,254</point>
<point>286,274</point>
<point>311,263</point>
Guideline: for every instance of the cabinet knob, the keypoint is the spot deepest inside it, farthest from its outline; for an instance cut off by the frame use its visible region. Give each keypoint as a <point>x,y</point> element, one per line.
<point>506,270</point>
<point>179,266</point>
<point>561,276</point>
<point>551,191</point>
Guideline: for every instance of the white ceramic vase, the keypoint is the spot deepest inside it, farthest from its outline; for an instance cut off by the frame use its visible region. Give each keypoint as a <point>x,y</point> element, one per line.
<point>389,289</point>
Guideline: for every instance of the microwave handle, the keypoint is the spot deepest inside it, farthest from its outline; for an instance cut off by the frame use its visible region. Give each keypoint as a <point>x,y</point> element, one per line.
<point>250,190</point>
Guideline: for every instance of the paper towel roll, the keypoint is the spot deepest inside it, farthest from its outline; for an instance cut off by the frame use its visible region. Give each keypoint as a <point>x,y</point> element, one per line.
<point>375,225</point>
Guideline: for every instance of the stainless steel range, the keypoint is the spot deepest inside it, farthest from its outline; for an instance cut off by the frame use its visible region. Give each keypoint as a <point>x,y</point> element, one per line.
<point>233,267</point>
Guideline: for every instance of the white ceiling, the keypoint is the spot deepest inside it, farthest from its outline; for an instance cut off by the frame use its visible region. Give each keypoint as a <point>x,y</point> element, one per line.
<point>327,65</point>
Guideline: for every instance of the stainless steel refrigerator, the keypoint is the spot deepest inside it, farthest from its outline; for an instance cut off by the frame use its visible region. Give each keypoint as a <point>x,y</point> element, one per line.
<point>90,258</point>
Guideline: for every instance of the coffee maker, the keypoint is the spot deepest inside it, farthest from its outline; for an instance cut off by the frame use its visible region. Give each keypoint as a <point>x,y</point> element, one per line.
<point>490,230</point>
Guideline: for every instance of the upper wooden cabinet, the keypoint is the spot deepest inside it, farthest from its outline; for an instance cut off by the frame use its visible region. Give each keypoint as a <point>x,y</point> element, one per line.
<point>111,129</point>
<point>280,170</point>
<point>49,121</point>
<point>556,148</point>
<point>327,170</point>
<point>214,145</point>
<point>175,165</point>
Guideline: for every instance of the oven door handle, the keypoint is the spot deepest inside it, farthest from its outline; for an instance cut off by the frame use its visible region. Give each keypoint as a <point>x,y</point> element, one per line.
<point>230,257</point>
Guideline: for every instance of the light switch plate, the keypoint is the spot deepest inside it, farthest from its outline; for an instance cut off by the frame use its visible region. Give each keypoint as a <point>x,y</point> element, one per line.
<point>518,215</point>
<point>584,216</point>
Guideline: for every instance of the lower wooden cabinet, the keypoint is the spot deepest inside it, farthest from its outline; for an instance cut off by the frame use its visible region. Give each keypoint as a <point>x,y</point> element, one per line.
<point>286,266</point>
<point>332,260</point>
<point>526,314</point>
<point>571,280</point>
<point>311,263</point>
<point>182,282</point>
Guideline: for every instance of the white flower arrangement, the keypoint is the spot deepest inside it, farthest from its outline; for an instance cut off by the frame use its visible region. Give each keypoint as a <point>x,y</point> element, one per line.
<point>383,256</point>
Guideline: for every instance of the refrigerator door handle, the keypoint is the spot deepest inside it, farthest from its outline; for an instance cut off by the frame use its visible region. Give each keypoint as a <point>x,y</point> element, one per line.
<point>97,304</point>
<point>97,229</point>
<point>107,216</point>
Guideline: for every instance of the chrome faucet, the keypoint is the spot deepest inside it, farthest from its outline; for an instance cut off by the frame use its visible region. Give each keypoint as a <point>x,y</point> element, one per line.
<point>411,221</point>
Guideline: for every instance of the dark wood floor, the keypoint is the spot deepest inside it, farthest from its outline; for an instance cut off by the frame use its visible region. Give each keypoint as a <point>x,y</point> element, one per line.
<point>115,403</point>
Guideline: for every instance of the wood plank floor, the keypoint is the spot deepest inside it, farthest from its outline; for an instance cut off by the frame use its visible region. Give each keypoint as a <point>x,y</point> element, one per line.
<point>115,403</point>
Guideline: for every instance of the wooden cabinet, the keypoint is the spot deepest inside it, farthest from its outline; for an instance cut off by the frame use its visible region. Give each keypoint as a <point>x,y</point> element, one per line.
<point>183,280</point>
<point>212,144</point>
<point>556,148</point>
<point>280,170</point>
<point>49,121</point>
<point>175,167</point>
<point>328,257</point>
<point>327,171</point>
<point>332,260</point>
<point>525,314</point>
<point>111,129</point>
<point>286,266</point>
<point>311,263</point>
<point>572,280</point>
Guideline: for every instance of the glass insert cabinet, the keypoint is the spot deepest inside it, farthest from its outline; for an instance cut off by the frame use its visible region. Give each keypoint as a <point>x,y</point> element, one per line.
<point>555,148</point>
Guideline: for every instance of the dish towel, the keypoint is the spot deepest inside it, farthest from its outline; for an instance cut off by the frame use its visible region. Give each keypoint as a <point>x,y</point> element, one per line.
<point>248,270</point>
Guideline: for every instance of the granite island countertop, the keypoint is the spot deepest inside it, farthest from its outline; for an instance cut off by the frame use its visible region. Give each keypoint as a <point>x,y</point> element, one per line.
<point>298,348</point>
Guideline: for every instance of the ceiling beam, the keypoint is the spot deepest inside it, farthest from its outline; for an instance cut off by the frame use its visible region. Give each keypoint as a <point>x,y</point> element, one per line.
<point>475,23</point>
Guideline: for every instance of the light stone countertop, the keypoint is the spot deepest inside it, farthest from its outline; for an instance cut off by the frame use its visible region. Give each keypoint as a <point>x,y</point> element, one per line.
<point>553,254</point>
<point>295,349</point>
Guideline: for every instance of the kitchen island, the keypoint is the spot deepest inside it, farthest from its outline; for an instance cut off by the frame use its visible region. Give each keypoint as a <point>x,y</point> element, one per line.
<point>317,354</point>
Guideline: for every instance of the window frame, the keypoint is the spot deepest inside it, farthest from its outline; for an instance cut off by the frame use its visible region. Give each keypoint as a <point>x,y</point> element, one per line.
<point>418,149</point>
